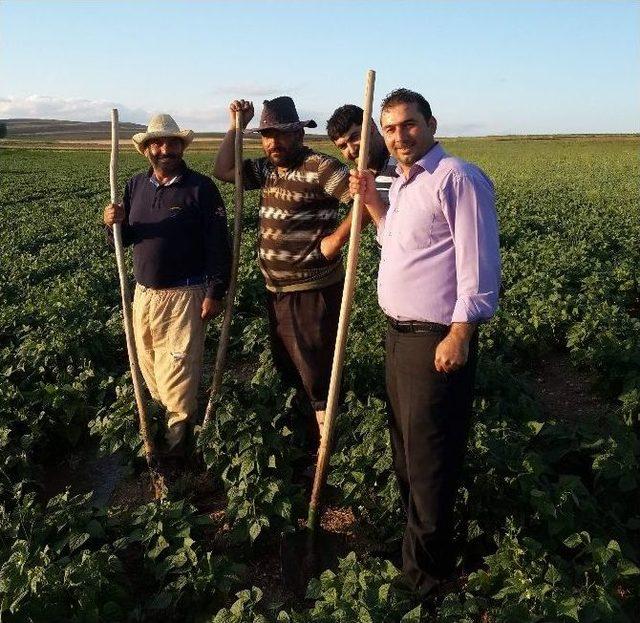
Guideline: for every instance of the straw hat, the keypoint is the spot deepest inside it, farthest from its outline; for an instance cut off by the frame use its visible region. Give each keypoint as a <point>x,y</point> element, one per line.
<point>161,126</point>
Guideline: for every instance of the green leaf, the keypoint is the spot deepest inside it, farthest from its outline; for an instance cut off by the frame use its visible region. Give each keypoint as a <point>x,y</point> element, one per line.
<point>535,427</point>
<point>627,568</point>
<point>314,590</point>
<point>573,540</point>
<point>552,575</point>
<point>77,540</point>
<point>413,616</point>
<point>569,608</point>
<point>254,531</point>
<point>383,593</point>
<point>160,546</point>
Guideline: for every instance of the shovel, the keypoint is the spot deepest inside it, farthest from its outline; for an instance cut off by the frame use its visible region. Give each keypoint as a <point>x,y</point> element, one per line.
<point>223,343</point>
<point>136,376</point>
<point>306,552</point>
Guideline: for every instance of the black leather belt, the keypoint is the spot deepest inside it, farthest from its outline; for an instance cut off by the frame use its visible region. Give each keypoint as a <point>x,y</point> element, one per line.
<point>414,326</point>
<point>190,281</point>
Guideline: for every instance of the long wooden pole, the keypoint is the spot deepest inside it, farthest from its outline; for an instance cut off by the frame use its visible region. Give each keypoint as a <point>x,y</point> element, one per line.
<point>136,376</point>
<point>345,311</point>
<point>223,343</point>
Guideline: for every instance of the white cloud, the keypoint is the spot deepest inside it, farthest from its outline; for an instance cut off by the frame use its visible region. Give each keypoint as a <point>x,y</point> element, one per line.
<point>208,118</point>
<point>78,109</point>
<point>73,109</point>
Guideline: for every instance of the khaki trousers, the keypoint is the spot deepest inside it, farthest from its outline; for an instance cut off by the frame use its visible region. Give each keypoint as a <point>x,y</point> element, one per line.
<point>169,335</point>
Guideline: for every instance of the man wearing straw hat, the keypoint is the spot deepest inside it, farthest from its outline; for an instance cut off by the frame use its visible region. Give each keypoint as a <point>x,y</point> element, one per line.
<point>439,277</point>
<point>299,242</point>
<point>175,220</point>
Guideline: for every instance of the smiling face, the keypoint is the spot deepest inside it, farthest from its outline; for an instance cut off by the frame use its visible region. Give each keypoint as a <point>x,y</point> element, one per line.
<point>282,148</point>
<point>407,134</point>
<point>349,142</point>
<point>349,145</point>
<point>165,154</point>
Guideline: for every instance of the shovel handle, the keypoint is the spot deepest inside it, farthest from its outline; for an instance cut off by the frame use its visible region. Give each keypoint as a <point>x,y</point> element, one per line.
<point>345,311</point>
<point>136,377</point>
<point>223,343</point>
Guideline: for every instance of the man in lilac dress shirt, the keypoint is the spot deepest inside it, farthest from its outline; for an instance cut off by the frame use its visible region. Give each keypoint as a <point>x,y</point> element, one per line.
<point>439,276</point>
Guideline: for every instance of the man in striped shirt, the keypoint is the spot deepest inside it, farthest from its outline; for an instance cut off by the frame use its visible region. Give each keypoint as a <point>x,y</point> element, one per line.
<point>344,128</point>
<point>299,241</point>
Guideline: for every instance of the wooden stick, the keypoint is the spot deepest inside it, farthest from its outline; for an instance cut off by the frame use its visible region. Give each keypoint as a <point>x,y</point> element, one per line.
<point>136,376</point>
<point>345,311</point>
<point>225,330</point>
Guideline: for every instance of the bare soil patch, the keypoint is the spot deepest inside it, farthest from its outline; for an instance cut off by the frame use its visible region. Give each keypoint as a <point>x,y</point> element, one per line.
<point>565,392</point>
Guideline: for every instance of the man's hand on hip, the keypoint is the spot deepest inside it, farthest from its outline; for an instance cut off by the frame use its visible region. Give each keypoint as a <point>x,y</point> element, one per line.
<point>453,351</point>
<point>210,308</point>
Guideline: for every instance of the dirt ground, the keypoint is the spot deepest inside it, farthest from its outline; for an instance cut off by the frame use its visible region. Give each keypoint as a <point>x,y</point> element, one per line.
<point>565,393</point>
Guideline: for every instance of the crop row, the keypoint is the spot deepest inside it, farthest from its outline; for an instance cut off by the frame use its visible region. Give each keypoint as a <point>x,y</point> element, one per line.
<point>549,509</point>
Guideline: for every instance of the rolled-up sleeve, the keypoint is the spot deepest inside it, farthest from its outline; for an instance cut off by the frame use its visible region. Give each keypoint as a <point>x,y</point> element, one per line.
<point>333,177</point>
<point>469,203</point>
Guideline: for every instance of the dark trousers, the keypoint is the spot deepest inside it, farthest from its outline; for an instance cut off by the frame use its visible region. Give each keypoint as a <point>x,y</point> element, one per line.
<point>429,420</point>
<point>302,328</point>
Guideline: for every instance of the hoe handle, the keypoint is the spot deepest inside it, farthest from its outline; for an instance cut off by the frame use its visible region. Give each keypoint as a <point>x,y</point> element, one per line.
<point>223,343</point>
<point>136,377</point>
<point>345,312</point>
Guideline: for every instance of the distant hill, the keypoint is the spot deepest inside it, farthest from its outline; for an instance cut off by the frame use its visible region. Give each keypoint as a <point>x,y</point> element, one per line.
<point>52,133</point>
<point>56,129</point>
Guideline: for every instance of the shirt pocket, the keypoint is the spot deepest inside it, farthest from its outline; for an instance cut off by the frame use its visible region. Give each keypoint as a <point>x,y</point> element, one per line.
<point>416,227</point>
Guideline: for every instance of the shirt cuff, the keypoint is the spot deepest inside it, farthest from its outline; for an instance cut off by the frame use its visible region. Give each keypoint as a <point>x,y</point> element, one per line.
<point>475,307</point>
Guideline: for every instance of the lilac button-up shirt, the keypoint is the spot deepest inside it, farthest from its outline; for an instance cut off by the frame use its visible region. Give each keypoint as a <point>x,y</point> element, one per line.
<point>440,251</point>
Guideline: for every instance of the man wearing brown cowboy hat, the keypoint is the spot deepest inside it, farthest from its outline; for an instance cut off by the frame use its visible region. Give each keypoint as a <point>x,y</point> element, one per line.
<point>299,241</point>
<point>175,220</point>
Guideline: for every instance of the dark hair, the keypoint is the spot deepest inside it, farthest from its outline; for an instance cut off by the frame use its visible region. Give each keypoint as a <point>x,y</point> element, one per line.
<point>342,119</point>
<point>405,96</point>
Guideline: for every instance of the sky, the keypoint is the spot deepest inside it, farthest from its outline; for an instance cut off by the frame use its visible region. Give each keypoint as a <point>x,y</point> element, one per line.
<point>501,67</point>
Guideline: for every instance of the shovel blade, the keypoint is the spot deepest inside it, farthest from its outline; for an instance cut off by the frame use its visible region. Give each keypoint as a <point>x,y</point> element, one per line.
<point>305,554</point>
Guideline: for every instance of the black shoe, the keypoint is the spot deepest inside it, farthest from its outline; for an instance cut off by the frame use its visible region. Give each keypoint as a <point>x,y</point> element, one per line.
<point>404,588</point>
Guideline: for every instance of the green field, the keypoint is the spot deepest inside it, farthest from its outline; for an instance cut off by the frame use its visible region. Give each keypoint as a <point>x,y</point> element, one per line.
<point>549,508</point>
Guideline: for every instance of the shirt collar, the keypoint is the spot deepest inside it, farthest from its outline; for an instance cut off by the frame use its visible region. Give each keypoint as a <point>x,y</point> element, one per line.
<point>428,162</point>
<point>174,180</point>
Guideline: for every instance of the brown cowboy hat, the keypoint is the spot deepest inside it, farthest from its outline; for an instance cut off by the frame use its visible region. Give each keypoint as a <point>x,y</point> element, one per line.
<point>280,114</point>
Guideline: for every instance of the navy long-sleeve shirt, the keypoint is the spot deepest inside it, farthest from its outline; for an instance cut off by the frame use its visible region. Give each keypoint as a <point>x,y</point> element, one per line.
<point>178,231</point>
